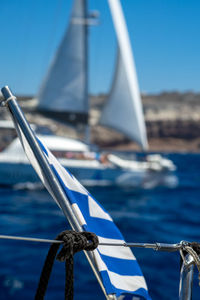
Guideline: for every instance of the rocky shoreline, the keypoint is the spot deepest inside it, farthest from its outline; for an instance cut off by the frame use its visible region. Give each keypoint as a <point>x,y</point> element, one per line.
<point>172,119</point>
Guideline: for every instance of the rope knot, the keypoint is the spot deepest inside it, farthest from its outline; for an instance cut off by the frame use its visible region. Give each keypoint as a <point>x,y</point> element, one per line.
<point>73,242</point>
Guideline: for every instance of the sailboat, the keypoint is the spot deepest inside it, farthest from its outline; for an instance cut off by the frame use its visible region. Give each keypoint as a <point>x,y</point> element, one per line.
<point>64,96</point>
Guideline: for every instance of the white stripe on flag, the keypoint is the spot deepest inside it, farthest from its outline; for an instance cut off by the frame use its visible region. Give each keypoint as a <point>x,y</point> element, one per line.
<point>96,211</point>
<point>127,283</point>
<point>99,262</point>
<point>115,251</point>
<point>78,214</point>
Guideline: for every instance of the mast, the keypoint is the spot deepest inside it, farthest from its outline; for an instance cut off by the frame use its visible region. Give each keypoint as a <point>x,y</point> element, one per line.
<point>87,127</point>
<point>91,19</point>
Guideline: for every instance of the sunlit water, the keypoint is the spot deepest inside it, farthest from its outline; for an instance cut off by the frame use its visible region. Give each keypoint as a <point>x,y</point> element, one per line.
<point>161,214</point>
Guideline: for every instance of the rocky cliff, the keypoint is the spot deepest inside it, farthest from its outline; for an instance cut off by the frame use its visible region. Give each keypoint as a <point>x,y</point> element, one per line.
<point>172,119</point>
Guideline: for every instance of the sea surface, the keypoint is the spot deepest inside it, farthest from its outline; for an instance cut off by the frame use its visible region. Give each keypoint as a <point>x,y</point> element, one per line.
<point>162,214</point>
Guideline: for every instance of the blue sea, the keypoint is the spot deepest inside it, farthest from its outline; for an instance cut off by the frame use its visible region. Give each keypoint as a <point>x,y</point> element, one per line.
<point>162,214</point>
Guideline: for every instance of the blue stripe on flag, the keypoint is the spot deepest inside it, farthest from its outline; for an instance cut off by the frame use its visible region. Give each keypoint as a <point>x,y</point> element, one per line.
<point>122,266</point>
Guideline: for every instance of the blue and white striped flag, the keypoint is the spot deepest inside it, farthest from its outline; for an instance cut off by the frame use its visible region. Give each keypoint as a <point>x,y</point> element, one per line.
<point>117,266</point>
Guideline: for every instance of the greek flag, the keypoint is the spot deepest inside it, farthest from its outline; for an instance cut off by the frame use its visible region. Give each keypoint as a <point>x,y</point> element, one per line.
<point>117,266</point>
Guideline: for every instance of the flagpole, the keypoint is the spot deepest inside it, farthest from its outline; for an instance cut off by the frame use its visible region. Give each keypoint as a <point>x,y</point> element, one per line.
<point>51,181</point>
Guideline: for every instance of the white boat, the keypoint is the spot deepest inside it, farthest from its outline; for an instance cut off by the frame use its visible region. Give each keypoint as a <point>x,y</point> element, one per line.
<point>15,168</point>
<point>64,95</point>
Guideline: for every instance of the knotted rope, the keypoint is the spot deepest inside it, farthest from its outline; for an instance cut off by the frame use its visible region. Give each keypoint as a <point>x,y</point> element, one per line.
<point>73,242</point>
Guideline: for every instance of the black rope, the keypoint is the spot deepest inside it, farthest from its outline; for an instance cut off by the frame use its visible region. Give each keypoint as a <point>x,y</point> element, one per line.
<point>73,242</point>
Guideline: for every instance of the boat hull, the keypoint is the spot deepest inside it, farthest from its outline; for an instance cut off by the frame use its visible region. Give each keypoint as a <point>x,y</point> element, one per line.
<point>12,174</point>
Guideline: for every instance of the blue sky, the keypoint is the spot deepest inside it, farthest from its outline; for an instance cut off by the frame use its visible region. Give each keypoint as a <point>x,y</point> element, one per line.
<point>164,36</point>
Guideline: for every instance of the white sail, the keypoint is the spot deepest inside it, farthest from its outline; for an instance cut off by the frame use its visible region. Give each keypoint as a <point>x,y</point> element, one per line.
<point>123,110</point>
<point>64,92</point>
